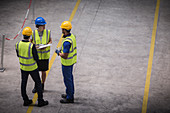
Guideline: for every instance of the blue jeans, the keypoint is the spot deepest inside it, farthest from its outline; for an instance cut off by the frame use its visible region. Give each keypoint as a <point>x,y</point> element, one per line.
<point>68,81</point>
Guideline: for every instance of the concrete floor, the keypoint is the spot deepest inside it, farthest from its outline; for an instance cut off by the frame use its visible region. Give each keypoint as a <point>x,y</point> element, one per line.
<point>113,40</point>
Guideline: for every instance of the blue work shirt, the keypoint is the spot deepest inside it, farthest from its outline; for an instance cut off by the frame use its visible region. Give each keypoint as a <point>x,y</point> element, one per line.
<point>66,45</point>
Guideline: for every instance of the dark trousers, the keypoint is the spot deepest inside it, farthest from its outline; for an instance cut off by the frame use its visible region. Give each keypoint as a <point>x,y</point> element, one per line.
<point>68,80</point>
<point>36,78</point>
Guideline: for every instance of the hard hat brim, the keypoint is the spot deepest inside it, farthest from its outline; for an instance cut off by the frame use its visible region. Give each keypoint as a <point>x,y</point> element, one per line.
<point>65,28</point>
<point>40,23</point>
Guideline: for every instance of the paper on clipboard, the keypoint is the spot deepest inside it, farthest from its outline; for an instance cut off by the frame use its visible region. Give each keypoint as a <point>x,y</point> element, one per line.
<point>43,46</point>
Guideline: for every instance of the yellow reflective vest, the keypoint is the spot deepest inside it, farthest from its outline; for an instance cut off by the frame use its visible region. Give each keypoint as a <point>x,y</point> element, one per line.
<point>27,62</point>
<point>72,56</point>
<point>45,53</point>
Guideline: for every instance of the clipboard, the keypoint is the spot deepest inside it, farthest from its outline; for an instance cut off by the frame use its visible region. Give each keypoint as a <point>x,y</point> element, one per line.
<point>43,46</point>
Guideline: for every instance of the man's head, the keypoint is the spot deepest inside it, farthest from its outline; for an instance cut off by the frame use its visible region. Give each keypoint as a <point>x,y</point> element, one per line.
<point>27,32</point>
<point>65,32</point>
<point>66,27</point>
<point>40,23</point>
<point>40,27</point>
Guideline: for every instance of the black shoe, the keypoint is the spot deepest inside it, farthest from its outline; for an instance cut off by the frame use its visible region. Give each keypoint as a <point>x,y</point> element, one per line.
<point>42,103</point>
<point>27,102</point>
<point>34,90</point>
<point>65,101</point>
<point>63,96</point>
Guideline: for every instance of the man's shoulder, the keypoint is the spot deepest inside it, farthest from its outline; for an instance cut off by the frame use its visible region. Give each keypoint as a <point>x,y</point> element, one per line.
<point>66,43</point>
<point>17,42</point>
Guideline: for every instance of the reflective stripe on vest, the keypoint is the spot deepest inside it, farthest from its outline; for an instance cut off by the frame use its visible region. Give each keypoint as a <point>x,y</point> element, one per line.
<point>72,56</point>
<point>45,53</point>
<point>27,62</point>
<point>28,52</point>
<point>25,57</point>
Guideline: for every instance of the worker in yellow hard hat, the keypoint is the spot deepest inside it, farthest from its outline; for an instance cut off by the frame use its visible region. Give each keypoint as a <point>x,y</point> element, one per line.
<point>68,54</point>
<point>28,59</point>
<point>42,36</point>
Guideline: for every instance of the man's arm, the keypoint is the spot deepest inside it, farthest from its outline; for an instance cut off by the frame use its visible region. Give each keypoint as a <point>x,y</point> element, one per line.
<point>50,39</point>
<point>35,54</point>
<point>63,55</point>
<point>16,47</point>
<point>17,53</point>
<point>66,49</point>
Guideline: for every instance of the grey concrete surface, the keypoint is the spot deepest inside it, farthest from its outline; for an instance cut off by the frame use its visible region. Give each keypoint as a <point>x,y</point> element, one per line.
<point>159,100</point>
<point>113,40</point>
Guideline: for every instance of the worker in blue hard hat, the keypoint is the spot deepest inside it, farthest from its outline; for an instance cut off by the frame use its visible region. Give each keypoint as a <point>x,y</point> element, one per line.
<point>28,58</point>
<point>42,36</point>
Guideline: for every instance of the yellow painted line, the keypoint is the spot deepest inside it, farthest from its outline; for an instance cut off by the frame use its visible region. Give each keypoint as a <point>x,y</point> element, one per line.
<point>74,10</point>
<point>30,108</point>
<point>149,69</point>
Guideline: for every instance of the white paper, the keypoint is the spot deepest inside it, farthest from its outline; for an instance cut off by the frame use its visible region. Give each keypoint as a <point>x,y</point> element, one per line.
<point>43,46</point>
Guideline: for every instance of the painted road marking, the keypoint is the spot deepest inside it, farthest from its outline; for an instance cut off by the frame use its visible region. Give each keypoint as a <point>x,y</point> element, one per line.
<point>54,55</point>
<point>149,69</point>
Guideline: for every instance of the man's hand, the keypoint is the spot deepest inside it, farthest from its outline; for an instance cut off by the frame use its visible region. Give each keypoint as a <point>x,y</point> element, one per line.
<point>57,51</point>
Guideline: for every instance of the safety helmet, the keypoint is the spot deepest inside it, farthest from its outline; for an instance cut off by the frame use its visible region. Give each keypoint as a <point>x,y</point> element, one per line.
<point>27,31</point>
<point>40,21</point>
<point>66,25</point>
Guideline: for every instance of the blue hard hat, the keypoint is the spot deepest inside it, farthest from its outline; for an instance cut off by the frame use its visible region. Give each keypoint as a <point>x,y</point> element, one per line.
<point>40,21</point>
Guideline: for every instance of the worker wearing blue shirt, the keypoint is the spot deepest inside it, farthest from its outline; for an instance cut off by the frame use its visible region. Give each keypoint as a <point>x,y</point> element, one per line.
<point>68,55</point>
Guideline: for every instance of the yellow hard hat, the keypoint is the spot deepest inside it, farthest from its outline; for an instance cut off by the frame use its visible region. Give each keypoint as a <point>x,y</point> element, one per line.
<point>27,31</point>
<point>66,25</point>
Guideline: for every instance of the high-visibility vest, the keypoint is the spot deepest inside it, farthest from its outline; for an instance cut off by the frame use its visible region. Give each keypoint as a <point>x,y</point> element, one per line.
<point>45,53</point>
<point>72,56</point>
<point>27,62</point>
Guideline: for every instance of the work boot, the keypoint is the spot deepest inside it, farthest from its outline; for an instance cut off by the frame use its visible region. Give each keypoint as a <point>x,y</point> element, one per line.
<point>42,103</point>
<point>65,101</point>
<point>34,90</point>
<point>27,102</point>
<point>64,96</point>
